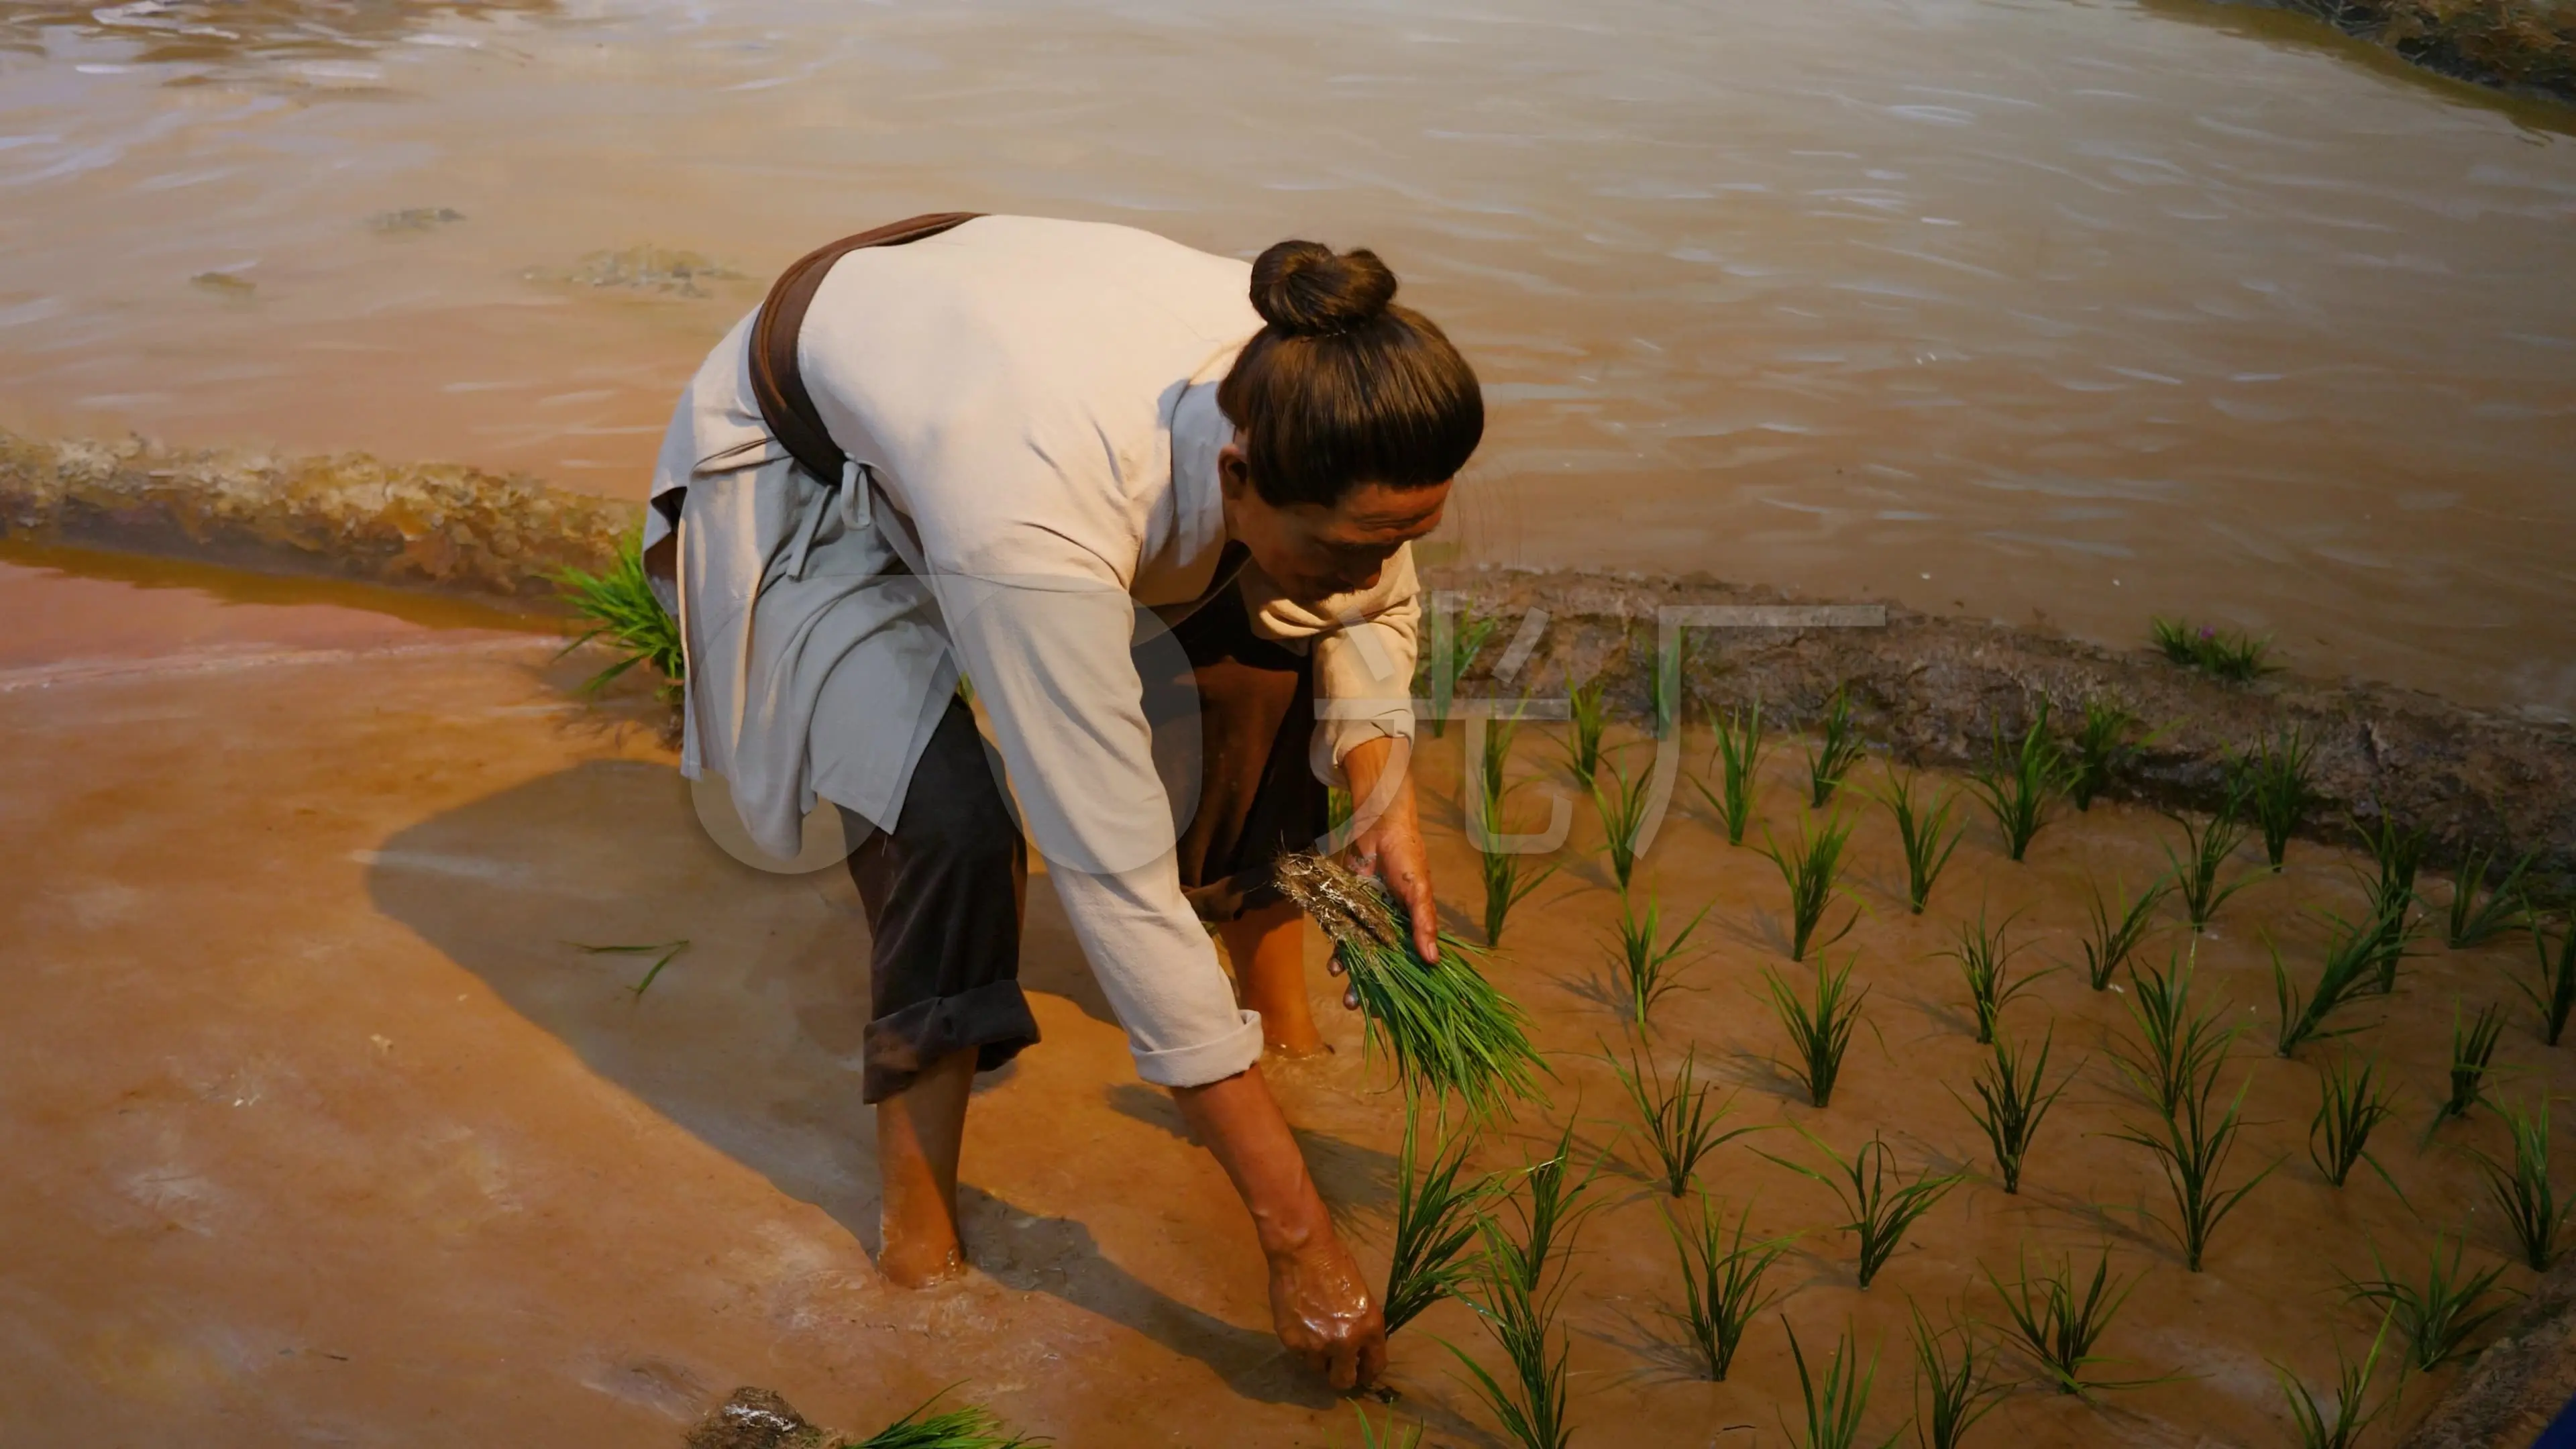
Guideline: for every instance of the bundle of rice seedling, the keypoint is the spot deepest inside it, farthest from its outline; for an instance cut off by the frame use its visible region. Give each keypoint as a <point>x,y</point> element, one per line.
<point>618,608</point>
<point>1444,1025</point>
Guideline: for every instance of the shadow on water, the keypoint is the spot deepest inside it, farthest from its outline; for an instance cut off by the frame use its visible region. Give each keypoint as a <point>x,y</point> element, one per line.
<point>750,1038</point>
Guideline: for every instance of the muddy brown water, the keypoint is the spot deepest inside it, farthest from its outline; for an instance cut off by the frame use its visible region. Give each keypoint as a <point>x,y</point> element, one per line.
<point>2026,308</point>
<point>301,1037</point>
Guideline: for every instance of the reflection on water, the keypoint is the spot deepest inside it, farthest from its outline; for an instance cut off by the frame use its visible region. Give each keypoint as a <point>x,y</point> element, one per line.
<point>200,37</point>
<point>2030,308</point>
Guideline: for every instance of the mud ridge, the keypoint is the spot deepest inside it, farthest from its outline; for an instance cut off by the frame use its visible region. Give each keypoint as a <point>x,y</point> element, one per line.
<point>1932,689</point>
<point>2512,45</point>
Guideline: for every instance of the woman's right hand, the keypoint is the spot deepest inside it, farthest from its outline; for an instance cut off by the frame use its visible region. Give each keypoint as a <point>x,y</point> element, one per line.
<point>1325,1314</point>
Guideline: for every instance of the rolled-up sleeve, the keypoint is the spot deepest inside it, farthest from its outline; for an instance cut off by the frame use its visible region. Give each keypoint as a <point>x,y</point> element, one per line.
<point>1365,644</point>
<point>1049,655</point>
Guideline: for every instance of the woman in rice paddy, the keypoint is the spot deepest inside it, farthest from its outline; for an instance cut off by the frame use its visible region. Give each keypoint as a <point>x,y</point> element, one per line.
<point>1157,511</point>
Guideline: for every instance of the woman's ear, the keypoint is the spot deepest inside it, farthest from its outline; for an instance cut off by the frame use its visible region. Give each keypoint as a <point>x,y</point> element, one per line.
<point>1233,473</point>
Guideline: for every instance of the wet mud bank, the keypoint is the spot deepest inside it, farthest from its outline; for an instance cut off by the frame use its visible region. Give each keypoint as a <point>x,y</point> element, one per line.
<point>2520,1382</point>
<point>1933,689</point>
<point>1941,690</point>
<point>2512,45</point>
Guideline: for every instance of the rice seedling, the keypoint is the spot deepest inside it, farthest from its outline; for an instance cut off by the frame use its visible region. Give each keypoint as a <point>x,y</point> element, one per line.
<point>1722,1277</point>
<point>2342,1430</point>
<point>1621,802</point>
<point>2439,1313</point>
<point>1494,761</point>
<point>2103,750</point>
<point>1811,869</point>
<point>2474,921</point>
<point>2018,784</point>
<point>1820,1028</point>
<point>2012,1104</point>
<point>2532,1212</point>
<point>1588,706</point>
<point>2352,960</point>
<point>1646,963</point>
<point>2279,782</point>
<point>2234,657</point>
<point>619,608</point>
<point>1679,1124</point>
<point>1547,1220</point>
<point>2059,1323</point>
<point>1962,1390</point>
<point>2176,1045</point>
<point>2554,992</point>
<point>972,1427</point>
<point>2398,854</point>
<point>2206,848</point>
<point>1395,1435</point>
<point>1529,1402</point>
<point>1985,961</point>
<point>1466,634</point>
<point>2117,931</point>
<point>1508,875</point>
<point>1436,1210</point>
<point>2473,1049</point>
<point>1443,1025</point>
<point>1739,754</point>
<point>1924,829</point>
<point>664,952</point>
<point>2192,1147</point>
<point>1836,753</point>
<point>1835,1404</point>
<point>2351,1103</point>
<point>1881,1211</point>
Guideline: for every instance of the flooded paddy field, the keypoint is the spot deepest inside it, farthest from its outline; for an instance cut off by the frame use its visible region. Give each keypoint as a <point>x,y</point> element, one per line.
<point>2040,310</point>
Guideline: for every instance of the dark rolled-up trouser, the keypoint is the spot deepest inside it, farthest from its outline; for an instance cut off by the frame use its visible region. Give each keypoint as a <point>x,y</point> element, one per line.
<point>946,887</point>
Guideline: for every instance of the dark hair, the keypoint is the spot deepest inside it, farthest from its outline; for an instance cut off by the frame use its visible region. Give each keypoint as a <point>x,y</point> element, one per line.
<point>1344,387</point>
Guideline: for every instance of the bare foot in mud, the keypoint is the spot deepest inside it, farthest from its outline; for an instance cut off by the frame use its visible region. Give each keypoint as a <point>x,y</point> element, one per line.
<point>920,1259</point>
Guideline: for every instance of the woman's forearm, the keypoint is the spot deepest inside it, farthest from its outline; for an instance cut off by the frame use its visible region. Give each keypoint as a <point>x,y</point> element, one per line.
<point>1239,1122</point>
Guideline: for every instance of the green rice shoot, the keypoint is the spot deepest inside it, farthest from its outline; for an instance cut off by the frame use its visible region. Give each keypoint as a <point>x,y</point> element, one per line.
<point>1820,1026</point>
<point>2206,849</point>
<point>2473,1049</point>
<point>1836,1402</point>
<point>2279,782</point>
<point>2439,1312</point>
<point>2176,1045</point>
<point>1444,1027</point>
<point>2552,992</point>
<point>1835,754</point>
<point>1962,1387</point>
<point>971,1427</point>
<point>2352,1102</point>
<point>1508,875</point>
<point>1588,706</point>
<point>2521,1191</point>
<point>1812,869</point>
<point>1738,758</point>
<point>1646,963</point>
<point>1621,802</point>
<point>2118,930</point>
<point>1722,1284</point>
<point>1883,1205</point>
<point>2103,750</point>
<point>1436,1209</point>
<point>2234,657</point>
<point>2192,1145</point>
<point>1438,672</point>
<point>1985,957</point>
<point>2060,1320</point>
<point>2338,1424</point>
<point>2352,960</point>
<point>1925,831</point>
<point>2018,784</point>
<point>2012,1102</point>
<point>1675,1118</point>
<point>619,609</point>
<point>2479,915</point>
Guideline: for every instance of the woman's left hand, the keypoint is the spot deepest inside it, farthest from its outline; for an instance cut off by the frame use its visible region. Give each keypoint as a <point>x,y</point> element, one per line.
<point>1388,844</point>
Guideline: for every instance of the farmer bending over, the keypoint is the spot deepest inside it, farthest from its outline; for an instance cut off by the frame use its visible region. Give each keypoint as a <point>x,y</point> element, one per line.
<point>1024,449</point>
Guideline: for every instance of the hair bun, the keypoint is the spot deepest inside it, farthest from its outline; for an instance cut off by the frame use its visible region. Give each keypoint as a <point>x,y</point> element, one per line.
<point>1306,289</point>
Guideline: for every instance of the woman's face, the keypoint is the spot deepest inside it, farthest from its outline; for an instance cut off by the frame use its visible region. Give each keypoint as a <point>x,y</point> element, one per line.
<point>1313,552</point>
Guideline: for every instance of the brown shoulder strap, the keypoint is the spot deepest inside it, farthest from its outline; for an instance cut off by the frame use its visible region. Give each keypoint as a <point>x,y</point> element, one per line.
<point>776,382</point>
